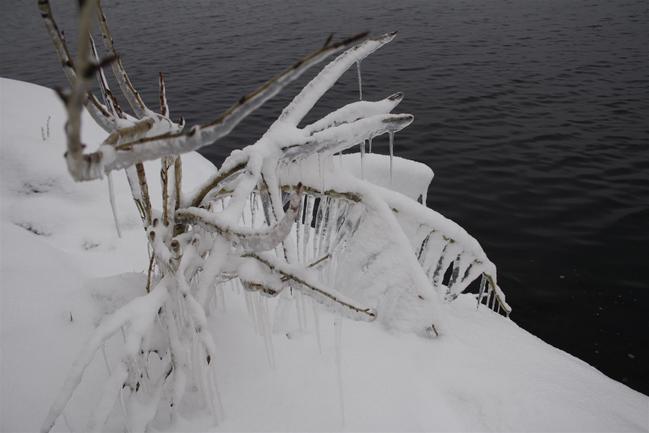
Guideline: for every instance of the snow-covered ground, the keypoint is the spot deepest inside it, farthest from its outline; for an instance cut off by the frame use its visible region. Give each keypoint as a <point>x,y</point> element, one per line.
<point>63,268</point>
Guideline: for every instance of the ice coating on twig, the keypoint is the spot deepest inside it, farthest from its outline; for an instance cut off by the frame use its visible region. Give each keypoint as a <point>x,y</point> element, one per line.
<point>313,91</point>
<point>344,136</point>
<point>248,240</point>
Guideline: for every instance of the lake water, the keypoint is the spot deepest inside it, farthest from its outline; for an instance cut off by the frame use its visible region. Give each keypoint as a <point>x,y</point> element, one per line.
<point>533,114</point>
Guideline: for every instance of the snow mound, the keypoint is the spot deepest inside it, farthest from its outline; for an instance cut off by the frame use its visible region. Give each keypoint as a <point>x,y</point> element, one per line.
<point>63,268</point>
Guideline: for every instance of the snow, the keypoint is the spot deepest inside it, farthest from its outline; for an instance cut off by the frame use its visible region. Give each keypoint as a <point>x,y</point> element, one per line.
<point>63,268</point>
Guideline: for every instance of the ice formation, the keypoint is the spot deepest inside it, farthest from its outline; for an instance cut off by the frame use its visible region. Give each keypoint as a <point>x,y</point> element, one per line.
<point>281,222</point>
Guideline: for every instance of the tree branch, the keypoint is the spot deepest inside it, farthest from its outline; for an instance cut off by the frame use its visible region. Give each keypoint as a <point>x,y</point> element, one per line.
<point>313,289</point>
<point>257,240</point>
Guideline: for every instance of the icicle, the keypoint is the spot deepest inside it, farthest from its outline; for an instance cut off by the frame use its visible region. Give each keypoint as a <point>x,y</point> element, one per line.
<point>264,326</point>
<point>67,423</point>
<point>208,389</point>
<point>332,225</point>
<point>316,228</point>
<point>391,134</point>
<point>103,352</point>
<point>111,198</point>
<point>316,325</point>
<point>340,226</point>
<point>246,297</point>
<point>298,231</point>
<point>338,325</point>
<point>299,307</point>
<point>253,311</point>
<point>268,329</point>
<point>217,393</point>
<point>362,159</point>
<point>267,207</point>
<point>321,174</point>
<point>324,227</point>
<point>307,226</point>
<point>222,299</point>
<point>483,282</point>
<point>243,217</point>
<point>122,406</point>
<point>360,80</point>
<point>318,225</point>
<point>370,145</point>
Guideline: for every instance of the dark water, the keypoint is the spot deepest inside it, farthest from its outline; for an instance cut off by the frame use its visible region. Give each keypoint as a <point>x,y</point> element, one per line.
<point>534,115</point>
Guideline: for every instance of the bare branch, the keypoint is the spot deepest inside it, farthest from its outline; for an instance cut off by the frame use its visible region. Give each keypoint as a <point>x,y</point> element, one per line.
<point>164,106</point>
<point>109,99</point>
<point>128,90</point>
<point>178,179</point>
<point>99,113</point>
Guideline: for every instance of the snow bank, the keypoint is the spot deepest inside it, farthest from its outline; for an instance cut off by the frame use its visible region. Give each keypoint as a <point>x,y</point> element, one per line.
<point>63,268</point>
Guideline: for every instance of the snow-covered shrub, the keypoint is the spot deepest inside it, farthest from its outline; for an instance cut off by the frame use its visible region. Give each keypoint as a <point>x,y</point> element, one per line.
<point>283,218</point>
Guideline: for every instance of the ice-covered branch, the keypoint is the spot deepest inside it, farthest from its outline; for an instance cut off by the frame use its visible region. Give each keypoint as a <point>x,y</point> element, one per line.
<point>94,165</point>
<point>134,129</point>
<point>223,174</point>
<point>305,283</point>
<point>341,137</point>
<point>313,91</point>
<point>354,111</point>
<point>248,240</point>
<point>109,99</point>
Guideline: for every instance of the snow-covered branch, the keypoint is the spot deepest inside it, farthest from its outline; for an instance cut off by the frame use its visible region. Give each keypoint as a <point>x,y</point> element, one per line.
<point>302,281</point>
<point>248,240</point>
<point>278,214</point>
<point>338,138</point>
<point>355,111</point>
<point>313,91</point>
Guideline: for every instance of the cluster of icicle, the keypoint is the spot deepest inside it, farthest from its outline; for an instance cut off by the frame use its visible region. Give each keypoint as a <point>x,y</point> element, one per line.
<point>265,223</point>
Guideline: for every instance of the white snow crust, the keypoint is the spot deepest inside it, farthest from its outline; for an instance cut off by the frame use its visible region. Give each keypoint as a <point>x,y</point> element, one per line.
<point>63,268</point>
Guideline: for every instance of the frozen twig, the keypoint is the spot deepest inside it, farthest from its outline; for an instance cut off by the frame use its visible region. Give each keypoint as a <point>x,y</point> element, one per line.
<point>99,112</point>
<point>313,91</point>
<point>136,312</point>
<point>344,136</point>
<point>312,288</point>
<point>258,240</point>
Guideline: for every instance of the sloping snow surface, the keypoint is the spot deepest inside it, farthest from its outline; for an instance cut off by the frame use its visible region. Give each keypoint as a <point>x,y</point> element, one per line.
<point>63,268</point>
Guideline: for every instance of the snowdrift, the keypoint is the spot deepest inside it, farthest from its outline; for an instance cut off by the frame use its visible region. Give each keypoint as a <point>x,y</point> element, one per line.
<point>63,268</point>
